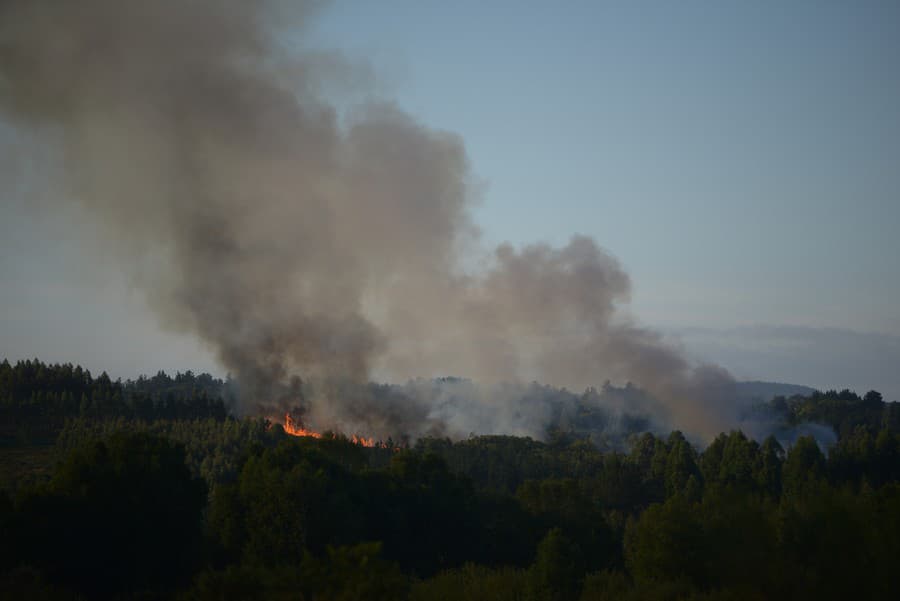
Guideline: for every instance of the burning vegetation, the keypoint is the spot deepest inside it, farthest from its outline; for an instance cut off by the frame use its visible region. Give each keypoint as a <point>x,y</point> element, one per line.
<point>295,238</point>
<point>296,427</point>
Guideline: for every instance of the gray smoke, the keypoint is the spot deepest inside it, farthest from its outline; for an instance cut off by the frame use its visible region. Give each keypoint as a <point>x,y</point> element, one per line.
<point>296,240</point>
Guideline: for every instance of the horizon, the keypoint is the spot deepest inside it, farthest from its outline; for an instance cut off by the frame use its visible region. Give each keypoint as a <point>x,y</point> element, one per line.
<point>737,160</point>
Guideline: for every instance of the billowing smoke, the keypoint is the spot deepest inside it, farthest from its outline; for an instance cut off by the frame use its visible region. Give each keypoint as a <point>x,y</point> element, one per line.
<point>300,241</point>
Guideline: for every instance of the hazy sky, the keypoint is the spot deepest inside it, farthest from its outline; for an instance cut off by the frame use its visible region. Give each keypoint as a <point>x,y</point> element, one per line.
<point>742,160</point>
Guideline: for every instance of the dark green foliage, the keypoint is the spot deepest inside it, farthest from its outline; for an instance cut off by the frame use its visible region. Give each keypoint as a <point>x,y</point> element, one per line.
<point>246,583</point>
<point>356,573</point>
<point>24,466</point>
<point>606,585</point>
<point>27,583</point>
<point>804,466</point>
<point>566,508</point>
<point>475,583</point>
<point>666,543</point>
<point>214,448</point>
<point>37,398</point>
<point>118,517</point>
<point>844,411</point>
<point>863,457</point>
<point>151,501</point>
<point>352,574</point>
<point>682,476</point>
<point>558,568</point>
<point>287,500</point>
<point>739,539</point>
<point>503,463</point>
<point>294,498</point>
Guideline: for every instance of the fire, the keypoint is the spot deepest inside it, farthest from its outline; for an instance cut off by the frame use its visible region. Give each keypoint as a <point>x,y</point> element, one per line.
<point>295,428</point>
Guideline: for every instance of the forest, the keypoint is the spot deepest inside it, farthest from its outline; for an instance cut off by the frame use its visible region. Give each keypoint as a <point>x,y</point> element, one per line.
<point>154,489</point>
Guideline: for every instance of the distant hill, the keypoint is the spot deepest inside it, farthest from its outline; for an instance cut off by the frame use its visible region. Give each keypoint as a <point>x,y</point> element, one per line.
<point>766,391</point>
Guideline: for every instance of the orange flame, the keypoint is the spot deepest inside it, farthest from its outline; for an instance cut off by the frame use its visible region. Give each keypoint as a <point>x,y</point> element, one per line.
<point>360,440</point>
<point>295,428</point>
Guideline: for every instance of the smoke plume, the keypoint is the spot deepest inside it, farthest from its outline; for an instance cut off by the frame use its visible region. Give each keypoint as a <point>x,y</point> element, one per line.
<point>297,240</point>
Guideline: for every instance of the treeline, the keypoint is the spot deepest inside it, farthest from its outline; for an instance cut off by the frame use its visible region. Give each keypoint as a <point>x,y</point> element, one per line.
<point>213,507</point>
<point>36,398</point>
<point>844,411</point>
<point>125,514</point>
<point>213,448</point>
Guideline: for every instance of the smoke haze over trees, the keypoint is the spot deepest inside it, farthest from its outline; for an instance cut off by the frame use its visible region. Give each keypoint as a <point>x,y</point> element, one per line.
<point>151,491</point>
<point>298,240</point>
<point>410,412</point>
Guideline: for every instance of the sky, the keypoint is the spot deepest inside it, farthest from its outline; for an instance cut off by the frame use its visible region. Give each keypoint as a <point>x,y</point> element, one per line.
<point>742,161</point>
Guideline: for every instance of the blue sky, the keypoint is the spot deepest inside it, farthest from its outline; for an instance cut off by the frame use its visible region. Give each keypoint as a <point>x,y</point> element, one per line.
<point>742,160</point>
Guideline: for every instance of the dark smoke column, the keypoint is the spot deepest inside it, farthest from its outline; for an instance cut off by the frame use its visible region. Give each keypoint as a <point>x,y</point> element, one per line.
<point>295,242</point>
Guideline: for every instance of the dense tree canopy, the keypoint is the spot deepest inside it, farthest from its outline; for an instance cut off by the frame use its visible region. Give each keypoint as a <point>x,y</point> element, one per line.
<point>201,505</point>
